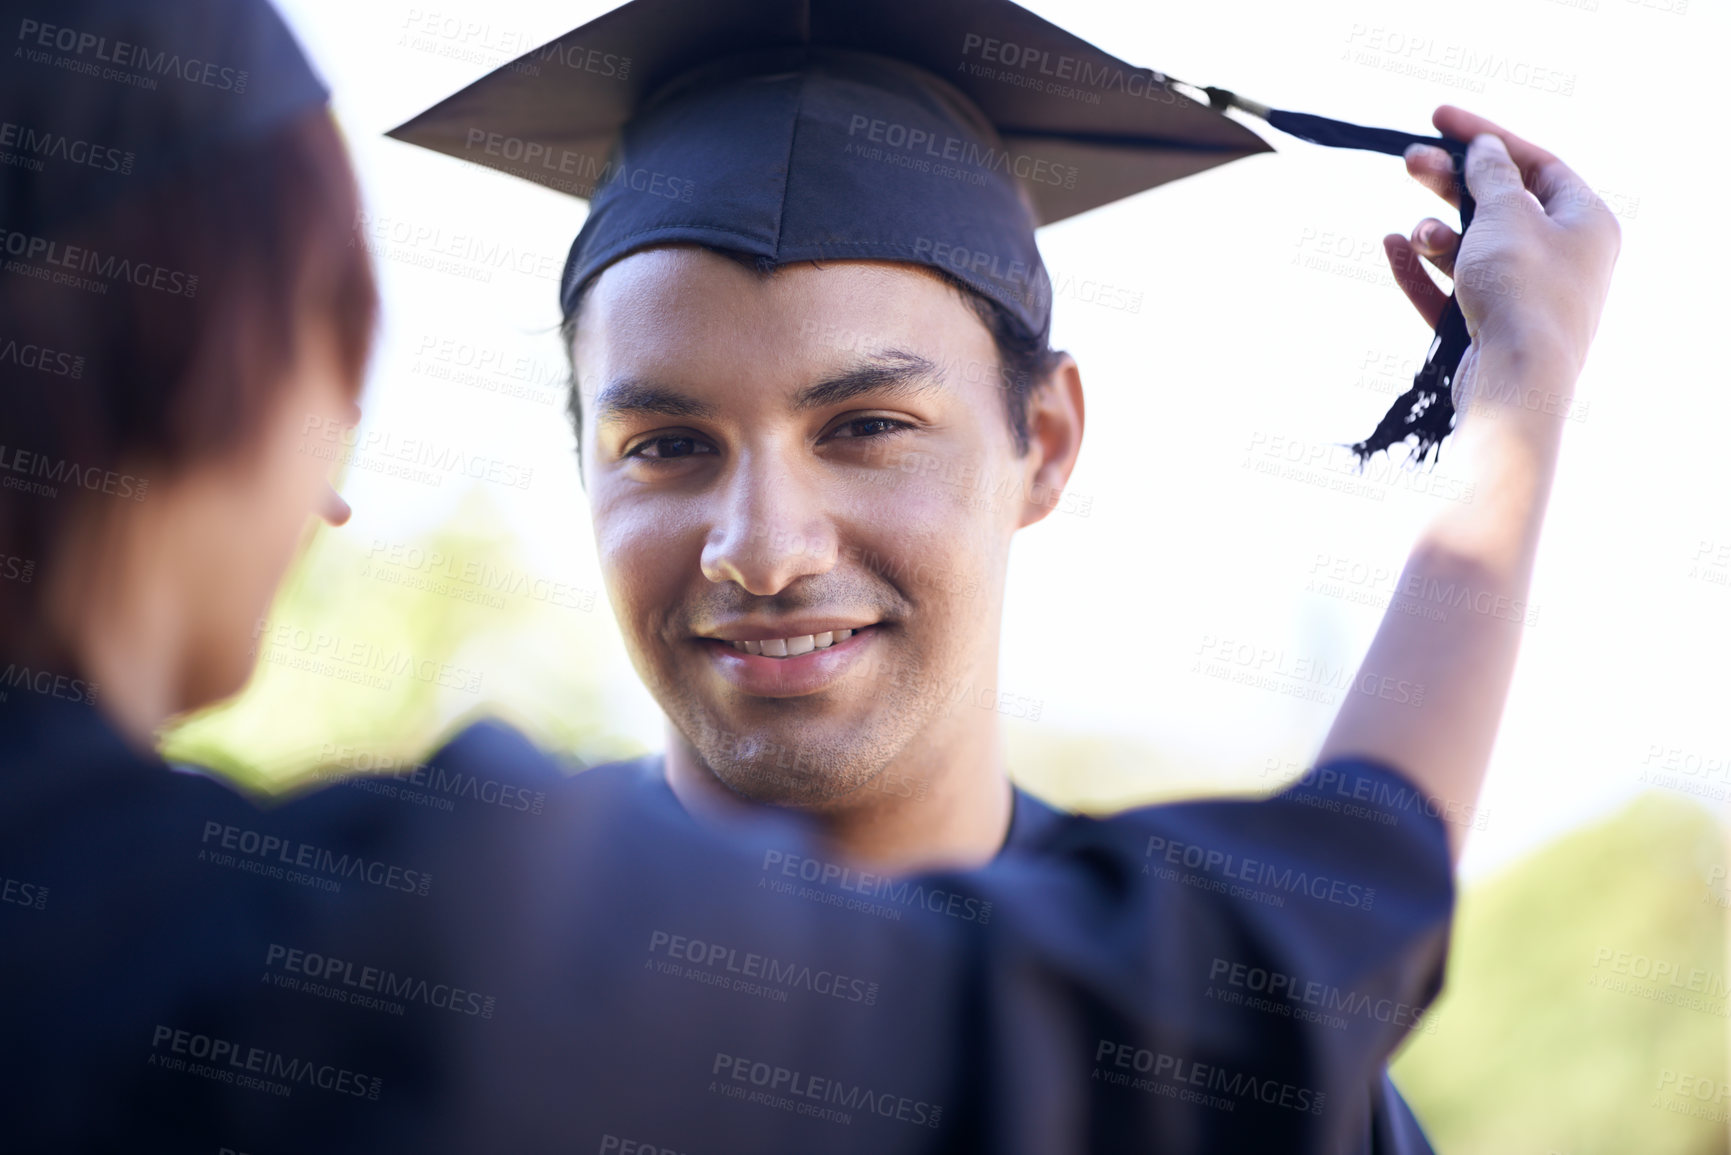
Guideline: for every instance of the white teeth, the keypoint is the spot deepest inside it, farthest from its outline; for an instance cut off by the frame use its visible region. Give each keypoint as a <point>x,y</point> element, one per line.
<point>794,647</point>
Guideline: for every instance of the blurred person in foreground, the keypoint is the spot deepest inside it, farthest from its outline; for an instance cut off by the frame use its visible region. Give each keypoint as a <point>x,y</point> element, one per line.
<point>188,970</point>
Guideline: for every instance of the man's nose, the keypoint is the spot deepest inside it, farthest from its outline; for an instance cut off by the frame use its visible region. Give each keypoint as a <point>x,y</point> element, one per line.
<point>771,530</point>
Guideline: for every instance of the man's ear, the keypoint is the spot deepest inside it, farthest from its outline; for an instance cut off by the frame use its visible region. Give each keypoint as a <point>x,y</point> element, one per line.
<point>1055,418</point>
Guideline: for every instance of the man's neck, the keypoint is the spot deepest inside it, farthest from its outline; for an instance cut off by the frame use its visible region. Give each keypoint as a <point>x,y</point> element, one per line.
<point>939,809</point>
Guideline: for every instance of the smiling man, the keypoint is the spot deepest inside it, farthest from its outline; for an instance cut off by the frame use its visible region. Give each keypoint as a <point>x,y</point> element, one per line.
<point>815,399</point>
<point>805,536</point>
<point>823,460</point>
<point>815,402</point>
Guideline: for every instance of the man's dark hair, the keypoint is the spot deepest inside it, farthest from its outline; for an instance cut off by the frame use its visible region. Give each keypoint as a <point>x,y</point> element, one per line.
<point>1024,362</point>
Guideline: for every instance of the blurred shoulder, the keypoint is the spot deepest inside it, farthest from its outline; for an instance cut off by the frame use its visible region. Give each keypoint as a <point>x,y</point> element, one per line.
<point>491,750</point>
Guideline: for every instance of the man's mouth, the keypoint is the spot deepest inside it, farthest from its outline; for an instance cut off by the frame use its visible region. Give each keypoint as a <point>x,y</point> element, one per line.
<point>769,659</point>
<point>792,647</point>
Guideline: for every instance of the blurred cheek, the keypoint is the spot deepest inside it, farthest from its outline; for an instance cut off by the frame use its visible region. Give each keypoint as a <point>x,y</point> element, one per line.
<point>271,499</point>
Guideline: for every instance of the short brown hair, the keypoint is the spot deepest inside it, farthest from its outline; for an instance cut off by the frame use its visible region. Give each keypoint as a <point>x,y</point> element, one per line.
<point>149,374</point>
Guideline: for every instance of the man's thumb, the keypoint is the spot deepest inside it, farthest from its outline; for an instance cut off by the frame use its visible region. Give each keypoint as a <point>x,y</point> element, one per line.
<point>1490,169</point>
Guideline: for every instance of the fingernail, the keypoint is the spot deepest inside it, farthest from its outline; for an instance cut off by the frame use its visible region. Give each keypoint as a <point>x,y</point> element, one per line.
<point>1427,237</point>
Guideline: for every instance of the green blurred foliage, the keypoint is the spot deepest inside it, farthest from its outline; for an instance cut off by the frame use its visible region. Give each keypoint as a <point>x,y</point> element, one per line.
<point>409,639</point>
<point>377,649</point>
<point>1527,1055</point>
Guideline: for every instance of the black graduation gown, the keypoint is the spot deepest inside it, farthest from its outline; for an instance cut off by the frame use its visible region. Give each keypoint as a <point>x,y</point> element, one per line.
<point>1393,1128</point>
<point>483,954</point>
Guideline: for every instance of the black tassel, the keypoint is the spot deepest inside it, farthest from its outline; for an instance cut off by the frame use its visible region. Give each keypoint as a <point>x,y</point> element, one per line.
<point>1427,410</point>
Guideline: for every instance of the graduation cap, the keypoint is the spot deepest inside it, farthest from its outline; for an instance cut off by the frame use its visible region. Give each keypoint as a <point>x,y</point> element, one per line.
<point>934,132</point>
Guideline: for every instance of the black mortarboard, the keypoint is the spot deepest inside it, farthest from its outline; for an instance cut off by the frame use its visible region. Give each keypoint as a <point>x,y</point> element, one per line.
<point>102,96</point>
<point>812,129</point>
<point>935,132</point>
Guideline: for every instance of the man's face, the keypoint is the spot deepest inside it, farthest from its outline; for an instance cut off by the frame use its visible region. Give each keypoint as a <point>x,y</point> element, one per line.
<point>785,458</point>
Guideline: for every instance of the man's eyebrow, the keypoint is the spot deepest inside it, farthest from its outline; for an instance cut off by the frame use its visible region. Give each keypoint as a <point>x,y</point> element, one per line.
<point>891,372</point>
<point>631,397</point>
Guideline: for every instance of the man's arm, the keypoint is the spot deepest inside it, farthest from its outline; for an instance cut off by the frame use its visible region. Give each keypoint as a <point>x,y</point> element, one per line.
<point>1531,278</point>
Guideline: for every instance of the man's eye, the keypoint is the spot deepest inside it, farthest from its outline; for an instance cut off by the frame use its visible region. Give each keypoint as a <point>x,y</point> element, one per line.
<point>667,448</point>
<point>865,427</point>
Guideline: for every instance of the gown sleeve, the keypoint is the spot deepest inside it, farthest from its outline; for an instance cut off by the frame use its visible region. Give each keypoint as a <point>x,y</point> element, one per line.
<point>1209,976</point>
<point>484,954</point>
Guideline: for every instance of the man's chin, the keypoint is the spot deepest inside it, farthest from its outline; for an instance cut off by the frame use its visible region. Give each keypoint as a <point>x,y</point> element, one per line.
<point>809,776</point>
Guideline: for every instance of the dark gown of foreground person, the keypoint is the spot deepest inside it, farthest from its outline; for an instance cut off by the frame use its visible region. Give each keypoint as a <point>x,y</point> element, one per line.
<point>484,953</point>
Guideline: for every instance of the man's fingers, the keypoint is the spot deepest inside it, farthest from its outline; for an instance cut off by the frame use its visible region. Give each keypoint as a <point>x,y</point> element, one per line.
<point>1463,125</point>
<point>1437,243</point>
<point>1434,168</point>
<point>1557,186</point>
<point>1492,176</point>
<point>1409,274</point>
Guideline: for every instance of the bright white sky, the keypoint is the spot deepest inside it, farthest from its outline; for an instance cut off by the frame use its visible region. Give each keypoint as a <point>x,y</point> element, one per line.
<point>1266,310</point>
